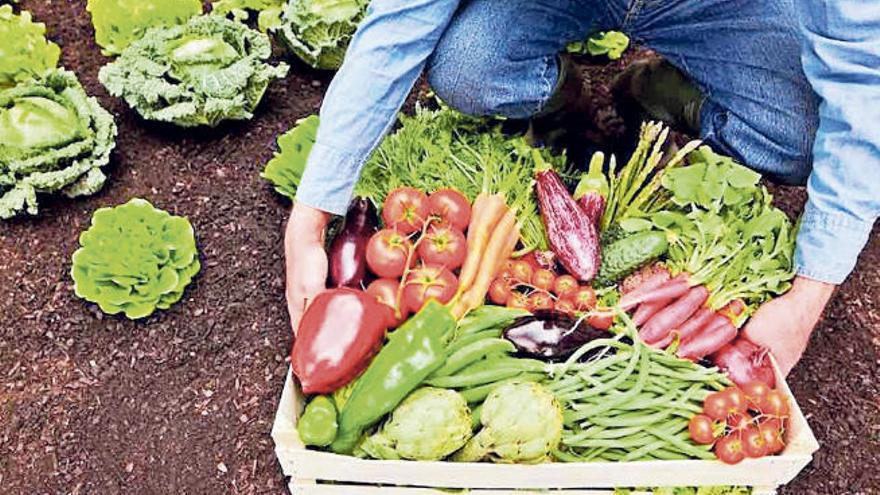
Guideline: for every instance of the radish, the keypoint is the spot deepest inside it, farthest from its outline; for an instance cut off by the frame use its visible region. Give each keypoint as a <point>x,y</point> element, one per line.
<point>674,315</point>
<point>645,279</point>
<point>695,323</point>
<point>672,289</point>
<point>745,362</point>
<point>647,310</point>
<point>712,337</point>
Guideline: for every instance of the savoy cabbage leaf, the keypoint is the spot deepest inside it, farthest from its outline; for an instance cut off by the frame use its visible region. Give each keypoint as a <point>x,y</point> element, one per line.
<point>206,71</point>
<point>318,31</point>
<point>53,138</point>
<point>120,22</point>
<point>134,259</point>
<point>24,50</point>
<point>268,12</point>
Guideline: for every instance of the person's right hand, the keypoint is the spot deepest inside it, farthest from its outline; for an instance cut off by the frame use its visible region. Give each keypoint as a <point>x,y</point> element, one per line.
<point>306,261</point>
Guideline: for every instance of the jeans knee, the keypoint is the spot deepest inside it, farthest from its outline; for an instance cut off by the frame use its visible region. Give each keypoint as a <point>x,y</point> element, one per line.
<point>463,82</point>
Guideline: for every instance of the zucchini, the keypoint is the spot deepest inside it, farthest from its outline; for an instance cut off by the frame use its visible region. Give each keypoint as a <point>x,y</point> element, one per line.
<point>624,256</point>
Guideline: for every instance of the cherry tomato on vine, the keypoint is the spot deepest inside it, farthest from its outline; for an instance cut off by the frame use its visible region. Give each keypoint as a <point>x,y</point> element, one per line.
<point>772,438</point>
<point>738,421</point>
<point>565,286</point>
<point>444,246</point>
<point>540,300</point>
<point>753,444</point>
<point>600,320</point>
<point>716,406</point>
<point>543,279</point>
<point>521,270</point>
<point>387,252</point>
<point>729,449</point>
<point>585,299</point>
<point>755,393</point>
<point>701,429</point>
<point>405,210</point>
<point>564,306</point>
<point>518,300</point>
<point>736,400</point>
<point>499,291</point>
<point>452,208</point>
<point>774,404</point>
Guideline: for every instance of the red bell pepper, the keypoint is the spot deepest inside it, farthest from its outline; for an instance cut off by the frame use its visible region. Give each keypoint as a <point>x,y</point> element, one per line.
<point>340,332</point>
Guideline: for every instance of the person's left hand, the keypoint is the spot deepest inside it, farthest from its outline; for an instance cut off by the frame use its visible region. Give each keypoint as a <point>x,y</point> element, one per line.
<point>784,324</point>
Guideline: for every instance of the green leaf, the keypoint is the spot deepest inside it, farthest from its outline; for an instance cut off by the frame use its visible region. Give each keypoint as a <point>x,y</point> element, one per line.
<point>118,23</point>
<point>610,43</point>
<point>268,11</point>
<point>127,261</point>
<point>285,169</point>
<point>318,31</point>
<point>25,52</point>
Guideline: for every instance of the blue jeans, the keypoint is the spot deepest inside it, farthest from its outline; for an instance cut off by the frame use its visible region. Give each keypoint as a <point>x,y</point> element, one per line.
<point>500,58</point>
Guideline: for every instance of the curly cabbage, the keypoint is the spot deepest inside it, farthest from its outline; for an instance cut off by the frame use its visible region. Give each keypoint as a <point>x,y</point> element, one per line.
<point>135,258</point>
<point>199,74</point>
<point>118,23</point>
<point>53,138</point>
<point>268,11</point>
<point>24,50</point>
<point>318,31</point>
<point>430,424</point>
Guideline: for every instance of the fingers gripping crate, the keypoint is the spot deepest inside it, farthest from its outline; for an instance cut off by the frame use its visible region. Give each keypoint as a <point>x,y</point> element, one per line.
<point>321,473</point>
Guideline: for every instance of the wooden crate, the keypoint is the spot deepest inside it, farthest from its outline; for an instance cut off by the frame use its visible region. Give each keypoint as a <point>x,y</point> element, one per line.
<point>321,473</point>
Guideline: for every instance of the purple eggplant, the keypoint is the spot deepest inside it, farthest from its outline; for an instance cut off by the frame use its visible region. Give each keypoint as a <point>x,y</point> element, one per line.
<point>550,335</point>
<point>348,252</point>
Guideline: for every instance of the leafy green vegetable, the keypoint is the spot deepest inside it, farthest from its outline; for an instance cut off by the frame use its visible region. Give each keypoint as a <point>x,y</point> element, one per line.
<point>118,23</point>
<point>318,31</point>
<point>610,43</point>
<point>135,258</point>
<point>204,72</point>
<point>24,50</point>
<point>268,11</point>
<point>53,138</point>
<point>285,169</point>
<point>429,425</point>
<point>522,423</point>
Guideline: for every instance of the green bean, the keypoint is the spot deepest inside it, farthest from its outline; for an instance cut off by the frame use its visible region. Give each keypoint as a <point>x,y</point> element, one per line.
<point>479,393</point>
<point>582,350</point>
<point>633,441</point>
<point>614,382</point>
<point>474,352</point>
<point>635,420</point>
<point>681,445</point>
<point>612,402</point>
<point>487,376</point>
<point>466,340</point>
<point>668,455</point>
<point>495,317</point>
<point>586,369</point>
<point>644,450</point>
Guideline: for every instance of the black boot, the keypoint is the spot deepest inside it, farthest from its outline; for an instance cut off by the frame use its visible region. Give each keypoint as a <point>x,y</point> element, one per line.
<point>654,89</point>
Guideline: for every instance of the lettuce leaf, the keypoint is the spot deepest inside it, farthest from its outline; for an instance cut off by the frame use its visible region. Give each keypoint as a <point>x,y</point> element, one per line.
<point>318,31</point>
<point>24,50</point>
<point>268,11</point>
<point>285,169</point>
<point>120,22</point>
<point>134,259</point>
<point>199,74</point>
<point>53,138</point>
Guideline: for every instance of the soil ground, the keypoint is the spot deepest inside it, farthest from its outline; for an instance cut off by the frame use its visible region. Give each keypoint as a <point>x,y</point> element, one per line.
<point>183,402</point>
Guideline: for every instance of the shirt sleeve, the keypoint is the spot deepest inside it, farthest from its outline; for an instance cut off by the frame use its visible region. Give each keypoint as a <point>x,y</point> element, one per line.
<point>385,58</point>
<point>841,58</point>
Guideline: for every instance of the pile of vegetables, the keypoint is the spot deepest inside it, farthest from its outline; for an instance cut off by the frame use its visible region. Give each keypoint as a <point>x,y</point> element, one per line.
<point>134,259</point>
<point>318,31</point>
<point>53,139</point>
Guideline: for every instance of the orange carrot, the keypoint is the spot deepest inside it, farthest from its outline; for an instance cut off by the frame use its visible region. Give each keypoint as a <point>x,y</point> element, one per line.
<point>495,253</point>
<point>485,218</point>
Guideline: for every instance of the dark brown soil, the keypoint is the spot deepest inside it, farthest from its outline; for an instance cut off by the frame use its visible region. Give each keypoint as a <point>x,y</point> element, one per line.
<point>183,402</point>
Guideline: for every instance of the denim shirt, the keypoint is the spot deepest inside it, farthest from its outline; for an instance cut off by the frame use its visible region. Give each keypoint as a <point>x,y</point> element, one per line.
<point>841,58</point>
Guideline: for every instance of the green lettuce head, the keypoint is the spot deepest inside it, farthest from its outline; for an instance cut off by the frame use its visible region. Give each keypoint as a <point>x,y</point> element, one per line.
<point>53,138</point>
<point>135,258</point>
<point>118,23</point>
<point>206,71</point>
<point>430,424</point>
<point>318,31</point>
<point>24,50</point>
<point>522,423</point>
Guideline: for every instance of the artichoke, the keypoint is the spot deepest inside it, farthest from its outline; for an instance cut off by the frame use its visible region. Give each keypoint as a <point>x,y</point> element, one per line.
<point>522,423</point>
<point>428,425</point>
<point>134,259</point>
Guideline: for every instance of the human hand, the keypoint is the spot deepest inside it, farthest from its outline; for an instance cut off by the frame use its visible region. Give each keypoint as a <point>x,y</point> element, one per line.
<point>306,261</point>
<point>784,324</point>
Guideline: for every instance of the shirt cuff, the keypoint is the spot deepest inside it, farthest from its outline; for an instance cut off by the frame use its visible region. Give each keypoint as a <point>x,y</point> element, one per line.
<point>828,245</point>
<point>329,179</point>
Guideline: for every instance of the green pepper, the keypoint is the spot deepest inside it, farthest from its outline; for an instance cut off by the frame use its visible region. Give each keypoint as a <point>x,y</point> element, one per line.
<point>414,351</point>
<point>317,425</point>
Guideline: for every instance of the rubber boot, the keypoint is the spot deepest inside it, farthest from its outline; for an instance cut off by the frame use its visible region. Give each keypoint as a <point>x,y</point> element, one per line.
<point>567,110</point>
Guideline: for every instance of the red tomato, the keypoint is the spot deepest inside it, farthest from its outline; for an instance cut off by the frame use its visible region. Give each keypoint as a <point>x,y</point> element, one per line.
<point>429,282</point>
<point>773,423</point>
<point>773,439</point>
<point>543,279</point>
<point>565,286</point>
<point>585,299</point>
<point>521,270</point>
<point>564,306</point>
<point>405,210</point>
<point>716,406</point>
<point>701,429</point>
<point>753,444</point>
<point>774,404</point>
<point>738,421</point>
<point>452,208</point>
<point>736,400</point>
<point>385,290</point>
<point>499,291</point>
<point>540,300</point>
<point>729,449</point>
<point>387,252</point>
<point>518,300</point>
<point>443,246</point>
<point>600,320</point>
<point>755,393</point>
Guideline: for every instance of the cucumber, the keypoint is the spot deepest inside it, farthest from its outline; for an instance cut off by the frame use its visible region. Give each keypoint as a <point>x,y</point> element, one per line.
<point>623,257</point>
